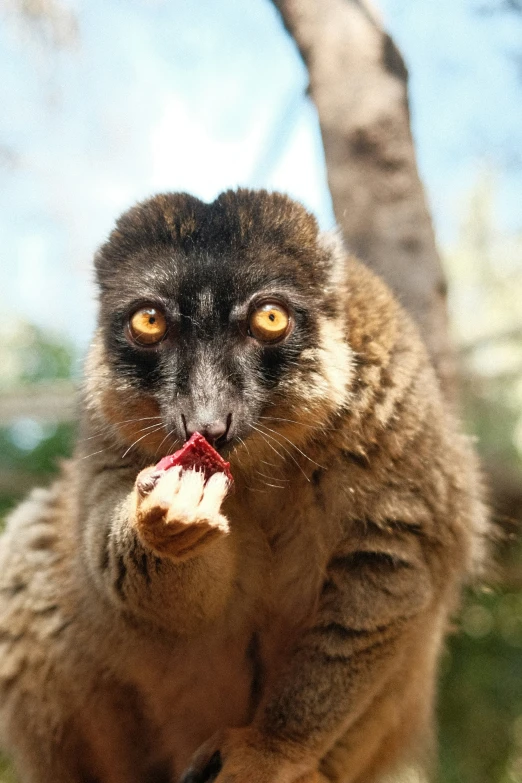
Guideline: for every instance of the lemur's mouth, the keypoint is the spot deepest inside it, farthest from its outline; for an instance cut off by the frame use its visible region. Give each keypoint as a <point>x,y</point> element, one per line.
<point>224,449</point>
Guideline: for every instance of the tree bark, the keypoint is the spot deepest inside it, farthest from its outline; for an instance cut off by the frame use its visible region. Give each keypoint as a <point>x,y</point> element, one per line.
<point>358,81</point>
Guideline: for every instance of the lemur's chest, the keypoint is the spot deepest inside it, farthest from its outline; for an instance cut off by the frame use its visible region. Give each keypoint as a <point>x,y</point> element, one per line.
<point>210,681</point>
<point>217,680</point>
<point>199,686</point>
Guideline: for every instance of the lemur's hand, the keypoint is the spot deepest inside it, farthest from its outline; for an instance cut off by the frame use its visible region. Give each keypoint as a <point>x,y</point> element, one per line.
<point>177,513</point>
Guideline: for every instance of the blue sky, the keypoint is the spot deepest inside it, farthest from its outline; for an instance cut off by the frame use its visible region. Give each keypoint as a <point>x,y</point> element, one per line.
<point>466,95</point>
<point>200,96</point>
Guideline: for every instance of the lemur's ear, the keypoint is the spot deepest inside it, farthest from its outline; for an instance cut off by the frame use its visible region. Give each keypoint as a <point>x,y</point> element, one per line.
<point>260,215</point>
<point>332,243</point>
<point>167,219</point>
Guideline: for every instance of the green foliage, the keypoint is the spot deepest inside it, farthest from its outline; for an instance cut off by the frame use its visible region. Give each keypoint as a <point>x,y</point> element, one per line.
<point>492,414</point>
<point>30,450</point>
<point>486,317</point>
<point>481,690</point>
<point>52,443</point>
<point>6,772</point>
<point>29,355</point>
<point>481,693</point>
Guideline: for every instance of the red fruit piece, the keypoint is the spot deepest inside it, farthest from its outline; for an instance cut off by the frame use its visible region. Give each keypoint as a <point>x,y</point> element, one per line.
<point>197,453</point>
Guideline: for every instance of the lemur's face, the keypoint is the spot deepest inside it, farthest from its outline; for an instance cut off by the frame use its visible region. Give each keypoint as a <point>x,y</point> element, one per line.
<point>220,318</point>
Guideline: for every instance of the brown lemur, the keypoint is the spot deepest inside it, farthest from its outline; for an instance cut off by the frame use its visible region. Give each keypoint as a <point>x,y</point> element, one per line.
<point>286,628</point>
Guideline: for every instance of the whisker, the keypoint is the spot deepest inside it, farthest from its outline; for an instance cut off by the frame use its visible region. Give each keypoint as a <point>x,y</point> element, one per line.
<point>284,449</point>
<point>236,447</point>
<point>234,450</point>
<point>158,427</point>
<point>270,464</point>
<point>275,486</point>
<point>272,478</point>
<point>260,473</point>
<point>101,432</point>
<point>108,447</point>
<point>86,456</point>
<point>171,432</point>
<point>174,443</point>
<point>295,447</point>
<point>142,429</point>
<point>265,438</point>
<point>300,423</point>
<point>246,447</point>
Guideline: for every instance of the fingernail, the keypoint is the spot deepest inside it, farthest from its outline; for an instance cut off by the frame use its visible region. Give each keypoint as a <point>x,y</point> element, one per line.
<point>146,484</point>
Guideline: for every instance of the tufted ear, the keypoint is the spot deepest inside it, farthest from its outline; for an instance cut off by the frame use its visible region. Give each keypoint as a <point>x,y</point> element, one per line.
<point>261,215</point>
<point>332,243</point>
<point>167,219</point>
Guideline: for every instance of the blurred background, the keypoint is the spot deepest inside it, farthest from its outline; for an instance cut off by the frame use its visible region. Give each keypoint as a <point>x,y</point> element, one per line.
<point>109,101</point>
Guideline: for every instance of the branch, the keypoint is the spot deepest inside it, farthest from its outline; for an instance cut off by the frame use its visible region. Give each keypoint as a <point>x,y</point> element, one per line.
<point>358,81</point>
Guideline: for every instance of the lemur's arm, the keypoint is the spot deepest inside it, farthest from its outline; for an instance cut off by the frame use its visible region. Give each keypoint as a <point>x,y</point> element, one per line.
<point>146,544</point>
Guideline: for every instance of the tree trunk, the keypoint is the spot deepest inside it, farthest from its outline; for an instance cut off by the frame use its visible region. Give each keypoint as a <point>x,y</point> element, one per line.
<point>358,82</point>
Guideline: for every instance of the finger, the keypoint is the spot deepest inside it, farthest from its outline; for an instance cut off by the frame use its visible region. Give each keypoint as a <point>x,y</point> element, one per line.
<point>215,490</point>
<point>204,770</point>
<point>190,491</point>
<point>147,480</point>
<point>167,487</point>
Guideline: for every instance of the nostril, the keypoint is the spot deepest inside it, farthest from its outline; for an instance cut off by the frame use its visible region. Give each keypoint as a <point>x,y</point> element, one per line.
<point>216,432</point>
<point>228,431</point>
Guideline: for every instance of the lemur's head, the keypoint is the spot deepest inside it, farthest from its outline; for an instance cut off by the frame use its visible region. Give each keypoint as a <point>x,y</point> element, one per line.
<point>223,318</point>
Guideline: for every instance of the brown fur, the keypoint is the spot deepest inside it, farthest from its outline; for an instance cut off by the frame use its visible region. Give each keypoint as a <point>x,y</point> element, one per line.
<point>294,627</point>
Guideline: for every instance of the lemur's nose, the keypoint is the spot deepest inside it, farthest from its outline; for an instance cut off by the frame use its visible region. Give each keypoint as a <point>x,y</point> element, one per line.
<point>214,431</point>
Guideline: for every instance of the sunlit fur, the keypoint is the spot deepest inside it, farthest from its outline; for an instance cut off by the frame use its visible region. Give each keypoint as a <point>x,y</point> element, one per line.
<point>293,627</point>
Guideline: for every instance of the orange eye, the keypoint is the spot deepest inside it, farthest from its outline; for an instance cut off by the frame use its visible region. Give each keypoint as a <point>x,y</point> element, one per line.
<point>147,326</point>
<point>269,322</point>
